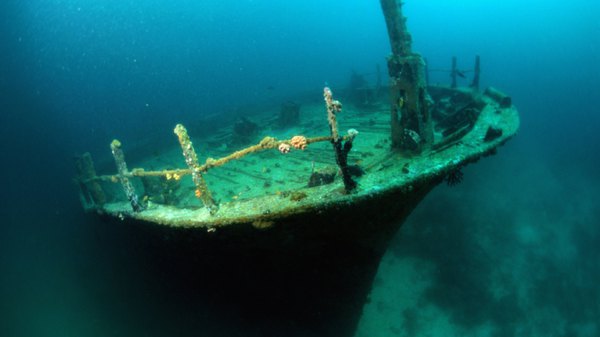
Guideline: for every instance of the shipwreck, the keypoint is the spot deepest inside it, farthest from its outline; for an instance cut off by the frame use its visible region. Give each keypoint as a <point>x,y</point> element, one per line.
<point>292,228</point>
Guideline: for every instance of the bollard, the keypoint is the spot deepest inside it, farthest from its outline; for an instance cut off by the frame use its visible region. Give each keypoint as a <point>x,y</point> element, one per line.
<point>128,188</point>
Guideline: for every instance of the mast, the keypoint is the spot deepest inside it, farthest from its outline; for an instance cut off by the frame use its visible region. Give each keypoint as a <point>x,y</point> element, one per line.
<point>412,129</point>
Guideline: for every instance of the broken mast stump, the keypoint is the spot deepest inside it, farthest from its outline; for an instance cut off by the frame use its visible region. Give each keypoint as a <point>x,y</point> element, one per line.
<point>477,70</point>
<point>91,190</point>
<point>191,159</point>
<point>411,124</point>
<point>128,188</point>
<point>453,72</point>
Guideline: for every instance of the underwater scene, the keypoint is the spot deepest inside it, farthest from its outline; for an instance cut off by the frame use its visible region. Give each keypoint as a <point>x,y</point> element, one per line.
<point>254,168</point>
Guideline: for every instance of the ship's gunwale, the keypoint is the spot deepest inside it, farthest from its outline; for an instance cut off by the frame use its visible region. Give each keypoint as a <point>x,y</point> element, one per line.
<point>269,210</point>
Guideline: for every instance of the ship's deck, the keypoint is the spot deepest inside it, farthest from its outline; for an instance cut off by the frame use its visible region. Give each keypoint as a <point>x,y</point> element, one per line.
<point>266,187</point>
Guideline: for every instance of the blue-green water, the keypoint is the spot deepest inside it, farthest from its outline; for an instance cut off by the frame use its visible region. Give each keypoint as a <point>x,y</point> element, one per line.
<point>512,251</point>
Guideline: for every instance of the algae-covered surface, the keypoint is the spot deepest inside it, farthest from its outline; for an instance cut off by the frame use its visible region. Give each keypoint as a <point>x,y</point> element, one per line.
<point>268,186</point>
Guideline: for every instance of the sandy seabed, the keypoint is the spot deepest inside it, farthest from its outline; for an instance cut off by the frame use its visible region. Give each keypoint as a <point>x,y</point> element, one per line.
<point>510,252</point>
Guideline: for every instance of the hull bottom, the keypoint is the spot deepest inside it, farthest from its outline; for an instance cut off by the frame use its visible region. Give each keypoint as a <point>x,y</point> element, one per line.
<point>309,276</point>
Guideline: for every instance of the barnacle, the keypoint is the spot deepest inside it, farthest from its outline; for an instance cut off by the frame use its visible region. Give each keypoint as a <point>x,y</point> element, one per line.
<point>454,177</point>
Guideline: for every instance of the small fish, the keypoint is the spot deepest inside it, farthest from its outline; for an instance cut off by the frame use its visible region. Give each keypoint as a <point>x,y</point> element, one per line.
<point>401,102</point>
<point>461,74</point>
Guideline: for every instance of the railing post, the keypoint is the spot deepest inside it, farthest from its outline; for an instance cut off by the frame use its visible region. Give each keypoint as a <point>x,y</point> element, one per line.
<point>91,190</point>
<point>191,159</point>
<point>475,83</point>
<point>117,153</point>
<point>426,71</point>
<point>453,72</point>
<point>341,149</point>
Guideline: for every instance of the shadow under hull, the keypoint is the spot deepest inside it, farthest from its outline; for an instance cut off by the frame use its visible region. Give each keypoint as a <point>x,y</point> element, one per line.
<point>308,277</point>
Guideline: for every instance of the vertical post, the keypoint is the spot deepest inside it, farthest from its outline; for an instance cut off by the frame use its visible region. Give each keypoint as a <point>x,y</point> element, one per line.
<point>475,83</point>
<point>341,149</point>
<point>412,128</point>
<point>191,159</point>
<point>91,190</point>
<point>400,39</point>
<point>378,81</point>
<point>426,71</point>
<point>117,153</point>
<point>453,72</point>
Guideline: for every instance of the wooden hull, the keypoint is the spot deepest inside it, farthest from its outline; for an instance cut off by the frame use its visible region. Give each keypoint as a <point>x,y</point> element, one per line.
<point>308,277</point>
<point>305,265</point>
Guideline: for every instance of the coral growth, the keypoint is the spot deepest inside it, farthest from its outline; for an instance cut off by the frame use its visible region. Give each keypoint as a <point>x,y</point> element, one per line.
<point>298,142</point>
<point>341,149</point>
<point>333,107</point>
<point>268,142</point>
<point>174,176</point>
<point>284,148</point>
<point>191,159</point>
